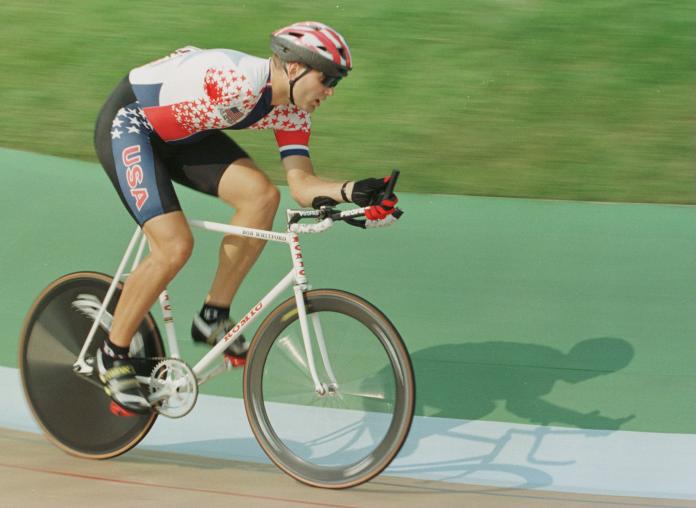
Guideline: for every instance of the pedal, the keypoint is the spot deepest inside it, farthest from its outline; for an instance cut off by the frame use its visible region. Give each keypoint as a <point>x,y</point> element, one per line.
<point>117,410</point>
<point>235,361</point>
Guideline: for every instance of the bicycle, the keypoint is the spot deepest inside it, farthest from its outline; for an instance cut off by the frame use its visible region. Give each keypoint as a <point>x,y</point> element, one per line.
<point>332,422</point>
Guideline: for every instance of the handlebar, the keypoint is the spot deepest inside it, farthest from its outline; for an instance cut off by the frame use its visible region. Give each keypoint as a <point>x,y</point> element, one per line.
<point>327,216</point>
<point>389,191</point>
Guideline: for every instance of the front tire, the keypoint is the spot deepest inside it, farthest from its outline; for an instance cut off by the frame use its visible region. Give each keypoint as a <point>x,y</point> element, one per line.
<point>351,434</point>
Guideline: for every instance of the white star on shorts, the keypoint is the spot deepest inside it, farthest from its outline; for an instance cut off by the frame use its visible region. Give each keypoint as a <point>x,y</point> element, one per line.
<point>115,134</point>
<point>133,130</point>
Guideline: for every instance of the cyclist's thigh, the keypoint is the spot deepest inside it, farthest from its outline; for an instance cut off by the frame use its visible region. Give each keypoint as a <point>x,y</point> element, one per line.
<point>201,164</point>
<point>137,172</point>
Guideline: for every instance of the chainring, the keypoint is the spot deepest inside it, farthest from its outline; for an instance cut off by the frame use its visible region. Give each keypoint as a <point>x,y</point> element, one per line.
<point>173,388</point>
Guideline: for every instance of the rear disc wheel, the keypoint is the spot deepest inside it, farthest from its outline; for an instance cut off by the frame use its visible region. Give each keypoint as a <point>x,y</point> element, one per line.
<point>72,408</point>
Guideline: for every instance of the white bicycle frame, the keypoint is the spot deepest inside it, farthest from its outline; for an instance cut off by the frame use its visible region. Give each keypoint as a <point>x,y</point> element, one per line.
<point>295,278</point>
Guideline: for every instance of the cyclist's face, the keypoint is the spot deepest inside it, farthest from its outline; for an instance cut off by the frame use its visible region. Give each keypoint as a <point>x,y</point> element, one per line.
<point>310,92</point>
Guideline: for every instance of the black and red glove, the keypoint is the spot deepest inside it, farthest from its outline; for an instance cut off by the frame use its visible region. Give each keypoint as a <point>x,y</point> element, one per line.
<point>370,192</point>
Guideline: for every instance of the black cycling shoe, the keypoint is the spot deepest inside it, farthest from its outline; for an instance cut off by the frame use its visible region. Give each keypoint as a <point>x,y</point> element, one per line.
<point>118,377</point>
<point>212,333</point>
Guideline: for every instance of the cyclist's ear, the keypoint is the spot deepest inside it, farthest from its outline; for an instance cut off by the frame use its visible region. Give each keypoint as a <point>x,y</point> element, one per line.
<point>294,69</point>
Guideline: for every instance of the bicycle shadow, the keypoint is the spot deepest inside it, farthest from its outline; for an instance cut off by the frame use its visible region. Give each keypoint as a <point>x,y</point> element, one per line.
<point>470,381</point>
<point>218,453</point>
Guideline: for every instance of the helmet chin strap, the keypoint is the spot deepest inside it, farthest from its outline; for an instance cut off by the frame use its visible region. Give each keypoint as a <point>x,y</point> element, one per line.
<point>293,81</point>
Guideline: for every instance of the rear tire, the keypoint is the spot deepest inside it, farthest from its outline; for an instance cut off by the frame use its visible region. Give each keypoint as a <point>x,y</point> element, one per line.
<point>72,409</point>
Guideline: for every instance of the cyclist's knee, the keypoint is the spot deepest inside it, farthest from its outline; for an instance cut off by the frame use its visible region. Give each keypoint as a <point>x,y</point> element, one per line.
<point>173,252</point>
<point>270,197</point>
<point>179,252</point>
<point>250,190</point>
<point>262,205</point>
<point>262,195</point>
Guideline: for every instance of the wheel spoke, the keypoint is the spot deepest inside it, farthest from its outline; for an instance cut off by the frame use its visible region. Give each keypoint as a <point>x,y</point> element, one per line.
<point>294,354</point>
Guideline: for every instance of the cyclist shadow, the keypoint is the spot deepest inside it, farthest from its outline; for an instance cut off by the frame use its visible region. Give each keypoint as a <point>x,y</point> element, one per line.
<point>466,380</point>
<point>470,381</point>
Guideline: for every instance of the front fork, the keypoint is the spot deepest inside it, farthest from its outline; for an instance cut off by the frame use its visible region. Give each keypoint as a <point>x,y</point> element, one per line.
<point>319,387</point>
<point>299,288</point>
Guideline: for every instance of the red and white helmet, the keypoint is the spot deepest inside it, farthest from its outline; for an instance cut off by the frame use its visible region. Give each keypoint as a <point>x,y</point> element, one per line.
<point>314,44</point>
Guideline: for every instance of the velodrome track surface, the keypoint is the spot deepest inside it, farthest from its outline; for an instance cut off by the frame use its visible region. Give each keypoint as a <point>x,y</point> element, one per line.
<point>454,454</point>
<point>492,297</point>
<point>34,473</point>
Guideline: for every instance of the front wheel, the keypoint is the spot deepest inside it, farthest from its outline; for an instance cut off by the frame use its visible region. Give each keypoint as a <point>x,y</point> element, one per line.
<point>351,432</point>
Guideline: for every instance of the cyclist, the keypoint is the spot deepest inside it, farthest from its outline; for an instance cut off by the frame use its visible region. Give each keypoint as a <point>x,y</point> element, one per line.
<point>163,123</point>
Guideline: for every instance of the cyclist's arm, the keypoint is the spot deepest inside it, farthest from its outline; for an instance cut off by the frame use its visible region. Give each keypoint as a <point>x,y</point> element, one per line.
<point>305,185</point>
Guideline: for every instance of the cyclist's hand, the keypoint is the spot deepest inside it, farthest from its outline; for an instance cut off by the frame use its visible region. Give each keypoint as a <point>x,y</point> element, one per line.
<point>383,209</point>
<point>369,191</point>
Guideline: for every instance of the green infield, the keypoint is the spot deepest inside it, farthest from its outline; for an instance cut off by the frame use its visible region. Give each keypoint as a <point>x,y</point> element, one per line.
<point>588,100</point>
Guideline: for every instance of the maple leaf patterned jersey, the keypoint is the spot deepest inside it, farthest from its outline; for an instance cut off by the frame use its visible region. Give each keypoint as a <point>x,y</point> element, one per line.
<point>196,90</point>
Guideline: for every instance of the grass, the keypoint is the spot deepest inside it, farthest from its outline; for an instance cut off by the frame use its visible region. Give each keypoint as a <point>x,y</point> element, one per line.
<point>590,100</point>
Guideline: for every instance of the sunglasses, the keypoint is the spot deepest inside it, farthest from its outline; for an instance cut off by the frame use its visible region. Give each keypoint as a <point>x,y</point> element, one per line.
<point>330,81</point>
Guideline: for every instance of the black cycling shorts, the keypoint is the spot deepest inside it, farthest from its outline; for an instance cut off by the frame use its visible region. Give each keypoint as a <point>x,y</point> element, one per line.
<point>141,166</point>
